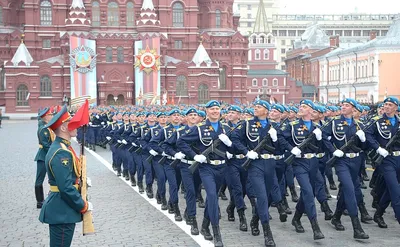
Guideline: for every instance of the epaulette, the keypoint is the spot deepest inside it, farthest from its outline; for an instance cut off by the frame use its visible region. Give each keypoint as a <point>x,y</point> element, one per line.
<point>294,122</point>
<point>181,128</point>
<point>200,124</point>
<point>377,117</point>
<point>337,117</point>
<point>226,125</point>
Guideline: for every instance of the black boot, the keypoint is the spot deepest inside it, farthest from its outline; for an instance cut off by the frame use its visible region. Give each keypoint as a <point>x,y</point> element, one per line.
<point>268,239</point>
<point>118,172</point>
<point>358,231</point>
<point>187,218</point>
<point>364,175</point>
<point>221,193</point>
<point>255,231</point>
<point>171,209</point>
<point>336,221</point>
<point>378,218</point>
<point>332,186</point>
<point>286,206</point>
<point>94,147</point>
<point>114,167</point>
<point>281,211</point>
<point>230,210</point>
<point>158,198</point>
<point>365,217</point>
<point>217,236</point>
<point>177,212</point>
<point>133,180</point>
<point>328,194</point>
<point>126,175</point>
<point>141,189</point>
<point>362,185</point>
<point>327,210</point>
<point>205,229</point>
<point>39,196</point>
<point>296,222</point>
<point>164,205</point>
<point>242,220</point>
<point>293,192</point>
<point>317,232</point>
<point>149,191</point>
<point>201,203</point>
<point>194,230</point>
<point>183,190</point>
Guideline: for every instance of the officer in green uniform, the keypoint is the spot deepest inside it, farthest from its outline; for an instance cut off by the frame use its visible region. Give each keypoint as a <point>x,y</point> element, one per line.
<point>46,137</point>
<point>64,206</point>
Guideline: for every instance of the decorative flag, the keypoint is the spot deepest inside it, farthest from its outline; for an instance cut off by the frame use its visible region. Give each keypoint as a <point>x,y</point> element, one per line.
<point>81,117</point>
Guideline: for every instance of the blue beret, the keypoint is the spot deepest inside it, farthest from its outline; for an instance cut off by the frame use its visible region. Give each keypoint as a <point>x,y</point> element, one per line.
<point>263,103</point>
<point>190,110</point>
<point>392,99</point>
<point>278,107</point>
<point>125,113</point>
<point>159,114</point>
<point>350,101</point>
<point>398,108</point>
<point>366,108</point>
<point>249,111</point>
<point>150,113</point>
<point>173,111</point>
<point>286,108</point>
<point>201,113</point>
<point>212,103</point>
<point>235,108</point>
<point>307,102</point>
<point>223,112</point>
<point>43,111</point>
<point>141,113</point>
<point>380,105</point>
<point>359,108</point>
<point>294,109</point>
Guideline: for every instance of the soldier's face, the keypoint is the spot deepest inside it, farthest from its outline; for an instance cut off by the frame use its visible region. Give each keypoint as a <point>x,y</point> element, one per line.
<point>175,118</point>
<point>275,115</point>
<point>304,110</point>
<point>214,113</point>
<point>292,114</point>
<point>260,111</point>
<point>141,118</point>
<point>162,120</point>
<point>390,108</point>
<point>233,115</point>
<point>347,109</point>
<point>192,118</point>
<point>314,115</point>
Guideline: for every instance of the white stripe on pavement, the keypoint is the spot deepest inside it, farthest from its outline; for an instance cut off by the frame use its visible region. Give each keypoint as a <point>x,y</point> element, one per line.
<point>182,224</point>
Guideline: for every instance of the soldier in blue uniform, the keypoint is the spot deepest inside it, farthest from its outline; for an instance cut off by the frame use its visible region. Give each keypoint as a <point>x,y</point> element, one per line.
<point>64,206</point>
<point>347,166</point>
<point>46,137</point>
<point>261,172</point>
<point>305,165</point>
<point>94,127</point>
<point>289,176</point>
<point>122,145</point>
<point>377,137</point>
<point>212,168</point>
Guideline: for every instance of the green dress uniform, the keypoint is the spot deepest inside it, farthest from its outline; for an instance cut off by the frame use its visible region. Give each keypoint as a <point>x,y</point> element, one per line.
<point>64,205</point>
<point>45,137</point>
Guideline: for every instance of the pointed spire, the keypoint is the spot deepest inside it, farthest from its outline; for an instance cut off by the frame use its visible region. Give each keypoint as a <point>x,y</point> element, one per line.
<point>148,4</point>
<point>77,19</point>
<point>261,24</point>
<point>77,4</point>
<point>22,54</point>
<point>201,55</point>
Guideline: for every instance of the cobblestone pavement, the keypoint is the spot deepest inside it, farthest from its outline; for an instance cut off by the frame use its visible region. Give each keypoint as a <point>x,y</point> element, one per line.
<point>125,218</point>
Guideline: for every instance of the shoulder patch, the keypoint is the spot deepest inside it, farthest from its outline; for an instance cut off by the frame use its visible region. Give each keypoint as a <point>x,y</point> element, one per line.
<point>200,124</point>
<point>181,128</point>
<point>64,161</point>
<point>337,117</point>
<point>294,122</point>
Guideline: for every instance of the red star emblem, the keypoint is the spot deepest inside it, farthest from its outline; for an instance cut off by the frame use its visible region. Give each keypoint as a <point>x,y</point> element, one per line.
<point>147,60</point>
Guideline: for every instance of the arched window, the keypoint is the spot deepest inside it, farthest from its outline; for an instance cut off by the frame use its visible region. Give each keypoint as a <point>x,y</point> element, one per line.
<point>254,40</point>
<point>217,18</point>
<point>177,15</point>
<point>22,94</point>
<point>109,55</point>
<point>258,57</point>
<point>181,86</point>
<point>222,77</point>
<point>120,54</point>
<point>113,14</point>
<point>1,15</point>
<point>95,14</point>
<point>262,40</point>
<point>275,82</point>
<point>254,82</point>
<point>203,94</point>
<point>45,86</point>
<point>265,82</point>
<point>266,54</point>
<point>2,78</point>
<point>269,40</point>
<point>45,13</point>
<point>130,14</point>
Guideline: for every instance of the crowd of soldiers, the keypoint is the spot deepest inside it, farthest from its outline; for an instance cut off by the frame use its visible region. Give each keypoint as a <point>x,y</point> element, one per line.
<point>256,151</point>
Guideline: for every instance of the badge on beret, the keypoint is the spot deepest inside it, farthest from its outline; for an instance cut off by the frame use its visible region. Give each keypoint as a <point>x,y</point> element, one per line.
<point>64,161</point>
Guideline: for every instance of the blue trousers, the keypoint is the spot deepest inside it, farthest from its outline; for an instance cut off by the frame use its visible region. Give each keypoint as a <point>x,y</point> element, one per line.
<point>390,169</point>
<point>131,162</point>
<point>280,175</point>
<point>148,171</point>
<point>161,178</point>
<point>137,162</point>
<point>289,175</point>
<point>306,171</point>
<point>192,183</point>
<point>262,175</point>
<point>170,174</point>
<point>212,178</point>
<point>40,173</point>
<point>320,184</point>
<point>61,234</point>
<point>236,178</point>
<point>347,171</point>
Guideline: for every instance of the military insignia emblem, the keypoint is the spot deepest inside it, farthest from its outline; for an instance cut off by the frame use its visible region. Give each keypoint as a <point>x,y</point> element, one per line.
<point>65,161</point>
<point>210,128</point>
<point>147,60</point>
<point>45,133</point>
<point>258,125</point>
<point>388,122</point>
<point>83,59</point>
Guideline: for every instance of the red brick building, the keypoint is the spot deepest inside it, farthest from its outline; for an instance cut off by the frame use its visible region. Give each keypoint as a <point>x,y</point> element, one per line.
<point>39,74</point>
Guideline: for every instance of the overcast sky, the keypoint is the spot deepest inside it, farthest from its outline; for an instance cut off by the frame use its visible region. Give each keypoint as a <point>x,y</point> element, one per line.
<point>339,6</point>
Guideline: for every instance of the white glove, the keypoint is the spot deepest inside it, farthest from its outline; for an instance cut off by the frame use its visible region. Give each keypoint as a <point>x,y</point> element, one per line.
<point>329,138</point>
<point>103,123</point>
<point>97,116</point>
<point>124,141</point>
<point>152,152</point>
<point>179,155</point>
<point>90,206</point>
<point>90,123</point>
<point>252,155</point>
<point>108,138</point>
<point>229,155</point>
<point>225,139</point>
<point>119,141</point>
<point>296,151</point>
<point>273,134</point>
<point>164,154</point>
<point>382,152</point>
<point>318,134</point>
<point>361,135</point>
<point>338,153</point>
<point>88,182</point>
<point>200,158</point>
<point>134,144</point>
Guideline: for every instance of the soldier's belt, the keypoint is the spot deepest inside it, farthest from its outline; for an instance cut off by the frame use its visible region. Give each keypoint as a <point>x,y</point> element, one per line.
<point>320,155</point>
<point>54,188</point>
<point>170,157</point>
<point>395,153</point>
<point>95,126</point>
<point>278,157</point>
<point>307,156</point>
<point>217,162</point>
<point>267,156</point>
<point>240,156</point>
<point>190,162</point>
<point>352,155</point>
<point>40,146</point>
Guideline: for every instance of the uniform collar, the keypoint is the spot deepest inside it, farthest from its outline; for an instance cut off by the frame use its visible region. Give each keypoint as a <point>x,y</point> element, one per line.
<point>62,140</point>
